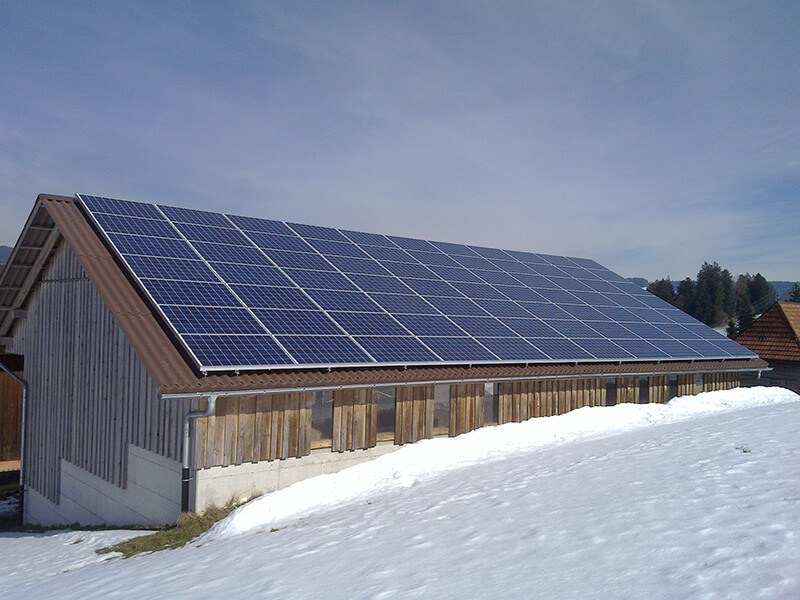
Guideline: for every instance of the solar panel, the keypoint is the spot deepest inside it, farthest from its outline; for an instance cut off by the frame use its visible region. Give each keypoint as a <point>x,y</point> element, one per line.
<point>249,293</point>
<point>387,348</point>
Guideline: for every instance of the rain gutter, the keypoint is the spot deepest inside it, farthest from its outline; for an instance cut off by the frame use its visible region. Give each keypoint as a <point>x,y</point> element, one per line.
<point>186,471</point>
<point>325,388</point>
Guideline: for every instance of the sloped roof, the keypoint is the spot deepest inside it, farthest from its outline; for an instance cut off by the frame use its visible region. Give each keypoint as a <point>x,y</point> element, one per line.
<point>174,374</point>
<point>775,335</point>
<point>247,294</point>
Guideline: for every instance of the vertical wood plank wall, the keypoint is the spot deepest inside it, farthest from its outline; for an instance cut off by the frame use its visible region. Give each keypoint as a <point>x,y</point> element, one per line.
<point>89,394</point>
<point>687,385</point>
<point>720,381</point>
<point>270,427</point>
<point>659,388</point>
<point>10,416</point>
<point>514,401</point>
<point>466,407</point>
<point>254,428</point>
<point>628,390</point>
<point>521,400</point>
<point>355,419</point>
<point>413,413</point>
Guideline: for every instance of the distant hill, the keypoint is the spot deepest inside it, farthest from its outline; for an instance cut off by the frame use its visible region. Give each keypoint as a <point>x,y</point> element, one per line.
<point>5,252</point>
<point>783,287</point>
<point>640,281</point>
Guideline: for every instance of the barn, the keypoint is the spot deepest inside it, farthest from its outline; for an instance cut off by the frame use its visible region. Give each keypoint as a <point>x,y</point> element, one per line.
<point>175,358</point>
<point>775,337</point>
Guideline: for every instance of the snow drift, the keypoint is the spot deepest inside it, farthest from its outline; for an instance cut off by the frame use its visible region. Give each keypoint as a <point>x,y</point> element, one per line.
<point>430,458</point>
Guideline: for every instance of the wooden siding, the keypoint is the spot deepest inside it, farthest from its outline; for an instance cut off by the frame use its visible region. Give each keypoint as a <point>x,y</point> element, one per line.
<point>254,428</point>
<point>514,401</point>
<point>688,385</point>
<point>783,374</point>
<point>89,394</point>
<point>627,390</point>
<point>10,416</point>
<point>413,413</point>
<point>521,400</point>
<point>466,407</point>
<point>658,388</point>
<point>355,419</point>
<point>720,381</point>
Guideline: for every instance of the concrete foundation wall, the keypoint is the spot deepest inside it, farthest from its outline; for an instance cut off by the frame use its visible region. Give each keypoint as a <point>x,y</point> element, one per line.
<point>152,496</point>
<point>219,485</point>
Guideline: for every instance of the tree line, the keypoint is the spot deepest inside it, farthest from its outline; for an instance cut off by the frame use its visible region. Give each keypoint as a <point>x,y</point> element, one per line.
<point>716,299</point>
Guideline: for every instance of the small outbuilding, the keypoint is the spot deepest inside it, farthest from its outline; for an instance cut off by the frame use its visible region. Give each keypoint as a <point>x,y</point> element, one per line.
<point>775,337</point>
<point>176,358</point>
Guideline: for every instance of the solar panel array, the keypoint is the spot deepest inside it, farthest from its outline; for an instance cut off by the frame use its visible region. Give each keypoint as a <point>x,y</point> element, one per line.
<point>245,293</point>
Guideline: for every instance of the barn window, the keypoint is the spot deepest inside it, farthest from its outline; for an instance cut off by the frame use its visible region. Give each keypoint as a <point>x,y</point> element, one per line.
<point>611,392</point>
<point>386,414</point>
<point>673,386</point>
<point>441,409</point>
<point>322,420</point>
<point>490,404</point>
<point>644,390</point>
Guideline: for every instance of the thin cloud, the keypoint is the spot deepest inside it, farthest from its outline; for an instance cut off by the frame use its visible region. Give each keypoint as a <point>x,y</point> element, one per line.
<point>649,136</point>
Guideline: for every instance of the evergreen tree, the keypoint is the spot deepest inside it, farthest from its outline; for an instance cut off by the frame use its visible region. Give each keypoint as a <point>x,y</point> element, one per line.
<point>761,294</point>
<point>711,290</point>
<point>664,289</point>
<point>746,315</point>
<point>794,293</point>
<point>728,293</point>
<point>731,330</point>
<point>686,299</point>
<point>740,290</point>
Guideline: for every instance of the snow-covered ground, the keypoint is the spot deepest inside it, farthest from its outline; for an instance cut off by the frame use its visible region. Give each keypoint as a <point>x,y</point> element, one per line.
<point>699,498</point>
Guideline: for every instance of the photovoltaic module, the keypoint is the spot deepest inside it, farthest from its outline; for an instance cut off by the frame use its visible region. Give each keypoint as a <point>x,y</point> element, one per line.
<point>245,293</point>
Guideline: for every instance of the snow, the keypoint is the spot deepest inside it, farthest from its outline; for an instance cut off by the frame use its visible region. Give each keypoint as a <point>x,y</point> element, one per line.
<point>28,560</point>
<point>9,505</point>
<point>431,458</point>
<point>697,498</point>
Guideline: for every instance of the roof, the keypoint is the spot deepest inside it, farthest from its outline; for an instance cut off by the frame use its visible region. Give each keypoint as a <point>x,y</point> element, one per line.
<point>26,262</point>
<point>775,335</point>
<point>244,293</point>
<point>174,373</point>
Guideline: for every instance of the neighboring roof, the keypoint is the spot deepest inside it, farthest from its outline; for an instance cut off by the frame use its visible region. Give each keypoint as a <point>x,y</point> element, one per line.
<point>173,374</point>
<point>26,263</point>
<point>775,335</point>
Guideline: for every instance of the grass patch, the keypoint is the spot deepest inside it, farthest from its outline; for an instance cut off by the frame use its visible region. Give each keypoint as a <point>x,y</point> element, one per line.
<point>187,527</point>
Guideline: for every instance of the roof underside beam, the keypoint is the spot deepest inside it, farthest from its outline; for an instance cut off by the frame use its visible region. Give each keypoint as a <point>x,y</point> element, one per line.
<point>15,285</point>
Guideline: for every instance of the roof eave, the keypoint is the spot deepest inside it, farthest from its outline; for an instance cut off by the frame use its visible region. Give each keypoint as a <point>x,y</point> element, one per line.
<point>34,248</point>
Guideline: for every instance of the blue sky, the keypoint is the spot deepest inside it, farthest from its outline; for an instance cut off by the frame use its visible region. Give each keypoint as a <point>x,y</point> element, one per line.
<point>650,136</point>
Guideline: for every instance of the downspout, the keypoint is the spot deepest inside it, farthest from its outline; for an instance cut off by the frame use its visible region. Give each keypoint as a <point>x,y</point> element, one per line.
<point>24,385</point>
<point>186,476</point>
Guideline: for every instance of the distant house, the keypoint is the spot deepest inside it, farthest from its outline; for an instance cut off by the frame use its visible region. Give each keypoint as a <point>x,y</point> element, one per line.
<point>178,358</point>
<point>775,337</point>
